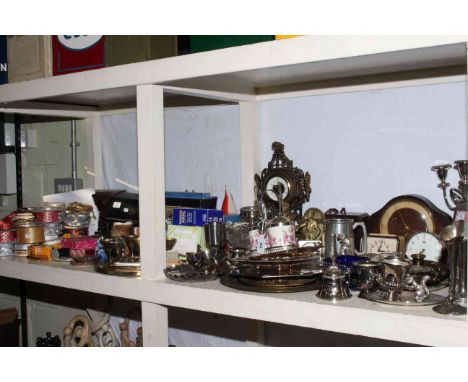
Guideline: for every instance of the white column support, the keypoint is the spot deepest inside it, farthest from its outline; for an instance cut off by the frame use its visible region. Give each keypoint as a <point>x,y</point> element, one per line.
<point>150,125</point>
<point>98,169</point>
<point>150,122</point>
<point>155,325</point>
<point>248,138</point>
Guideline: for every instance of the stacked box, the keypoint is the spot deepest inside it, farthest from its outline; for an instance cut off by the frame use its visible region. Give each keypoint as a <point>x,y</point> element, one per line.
<point>195,216</point>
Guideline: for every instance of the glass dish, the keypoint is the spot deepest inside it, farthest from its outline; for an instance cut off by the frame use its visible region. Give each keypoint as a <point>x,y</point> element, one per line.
<point>7,249</point>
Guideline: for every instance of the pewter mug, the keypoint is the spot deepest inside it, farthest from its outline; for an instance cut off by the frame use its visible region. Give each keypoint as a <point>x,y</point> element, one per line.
<point>346,228</point>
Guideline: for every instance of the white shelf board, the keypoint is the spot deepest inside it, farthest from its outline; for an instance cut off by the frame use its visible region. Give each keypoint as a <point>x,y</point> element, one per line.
<point>247,69</point>
<point>62,274</point>
<point>355,316</point>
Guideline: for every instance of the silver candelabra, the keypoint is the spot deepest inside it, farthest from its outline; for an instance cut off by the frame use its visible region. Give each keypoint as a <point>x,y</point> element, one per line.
<point>457,195</point>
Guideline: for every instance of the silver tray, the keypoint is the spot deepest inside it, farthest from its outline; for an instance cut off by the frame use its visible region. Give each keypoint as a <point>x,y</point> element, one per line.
<point>257,274</point>
<point>407,299</point>
<point>280,258</point>
<point>433,288</point>
<point>275,287</point>
<point>186,273</point>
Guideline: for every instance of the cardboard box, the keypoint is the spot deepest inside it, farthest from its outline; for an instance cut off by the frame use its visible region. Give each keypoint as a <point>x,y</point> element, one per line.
<point>195,217</point>
<point>29,57</point>
<point>187,238</point>
<point>76,53</point>
<point>122,50</point>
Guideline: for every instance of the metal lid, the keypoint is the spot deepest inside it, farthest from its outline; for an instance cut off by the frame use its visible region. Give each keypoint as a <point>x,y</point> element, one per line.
<point>280,221</point>
<point>369,264</point>
<point>27,224</point>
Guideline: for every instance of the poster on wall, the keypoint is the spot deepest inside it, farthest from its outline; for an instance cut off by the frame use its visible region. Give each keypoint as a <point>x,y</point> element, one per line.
<point>76,53</point>
<point>3,60</point>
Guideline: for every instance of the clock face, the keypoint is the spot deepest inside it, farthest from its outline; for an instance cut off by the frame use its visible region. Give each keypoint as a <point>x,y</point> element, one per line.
<point>425,243</point>
<point>278,184</point>
<point>382,244</point>
<point>405,218</point>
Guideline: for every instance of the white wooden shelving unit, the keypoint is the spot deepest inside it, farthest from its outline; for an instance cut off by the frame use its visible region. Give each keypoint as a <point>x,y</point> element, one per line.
<point>244,75</point>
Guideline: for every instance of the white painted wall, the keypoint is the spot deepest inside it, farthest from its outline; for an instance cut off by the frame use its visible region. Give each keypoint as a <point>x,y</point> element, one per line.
<point>364,148</point>
<point>202,150</point>
<point>361,149</point>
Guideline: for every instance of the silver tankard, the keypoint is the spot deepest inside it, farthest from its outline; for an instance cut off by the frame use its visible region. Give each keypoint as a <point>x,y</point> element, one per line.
<point>344,227</point>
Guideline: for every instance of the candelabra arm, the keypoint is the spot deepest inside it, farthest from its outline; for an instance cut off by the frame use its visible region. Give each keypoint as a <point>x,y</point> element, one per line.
<point>444,190</point>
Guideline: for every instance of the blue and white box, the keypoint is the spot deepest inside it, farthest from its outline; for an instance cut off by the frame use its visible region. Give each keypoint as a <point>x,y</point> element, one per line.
<point>195,216</point>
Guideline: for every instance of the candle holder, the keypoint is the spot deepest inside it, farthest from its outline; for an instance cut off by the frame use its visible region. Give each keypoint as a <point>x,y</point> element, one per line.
<point>457,195</point>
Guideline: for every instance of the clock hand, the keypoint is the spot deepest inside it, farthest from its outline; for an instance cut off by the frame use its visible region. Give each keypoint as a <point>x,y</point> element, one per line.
<point>407,227</point>
<point>403,220</point>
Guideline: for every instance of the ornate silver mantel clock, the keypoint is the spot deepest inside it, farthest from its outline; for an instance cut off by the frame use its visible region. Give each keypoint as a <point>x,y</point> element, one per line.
<point>282,178</point>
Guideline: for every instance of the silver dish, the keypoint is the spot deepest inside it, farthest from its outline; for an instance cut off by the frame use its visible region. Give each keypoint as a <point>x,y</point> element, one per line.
<point>188,273</point>
<point>406,299</point>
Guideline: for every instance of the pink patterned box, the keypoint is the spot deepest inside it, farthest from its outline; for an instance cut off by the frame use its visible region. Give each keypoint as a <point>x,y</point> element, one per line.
<point>81,242</point>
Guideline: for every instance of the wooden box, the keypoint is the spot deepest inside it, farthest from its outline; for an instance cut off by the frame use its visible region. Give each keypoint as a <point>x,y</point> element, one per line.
<point>29,57</point>
<point>128,49</point>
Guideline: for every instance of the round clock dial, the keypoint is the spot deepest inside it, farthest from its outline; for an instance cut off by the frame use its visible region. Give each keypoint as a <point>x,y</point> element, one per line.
<point>425,243</point>
<point>277,183</point>
<point>405,218</point>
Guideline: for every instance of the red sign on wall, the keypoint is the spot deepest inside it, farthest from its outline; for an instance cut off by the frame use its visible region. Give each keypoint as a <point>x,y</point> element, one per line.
<point>76,53</point>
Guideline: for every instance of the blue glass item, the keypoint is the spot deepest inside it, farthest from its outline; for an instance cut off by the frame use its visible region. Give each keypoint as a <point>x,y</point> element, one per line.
<point>346,264</point>
<point>100,252</point>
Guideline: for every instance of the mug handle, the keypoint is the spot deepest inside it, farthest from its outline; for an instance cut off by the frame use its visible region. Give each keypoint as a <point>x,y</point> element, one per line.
<point>364,230</point>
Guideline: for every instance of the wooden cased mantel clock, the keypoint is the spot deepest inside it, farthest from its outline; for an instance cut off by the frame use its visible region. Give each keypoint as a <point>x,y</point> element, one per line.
<point>406,215</point>
<point>282,178</point>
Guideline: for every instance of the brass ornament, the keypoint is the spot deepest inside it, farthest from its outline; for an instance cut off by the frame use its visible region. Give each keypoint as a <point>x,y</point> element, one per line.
<point>311,226</point>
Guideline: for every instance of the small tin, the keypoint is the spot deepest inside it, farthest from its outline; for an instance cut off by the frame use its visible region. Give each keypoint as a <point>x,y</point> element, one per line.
<point>30,233</point>
<point>40,252</point>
